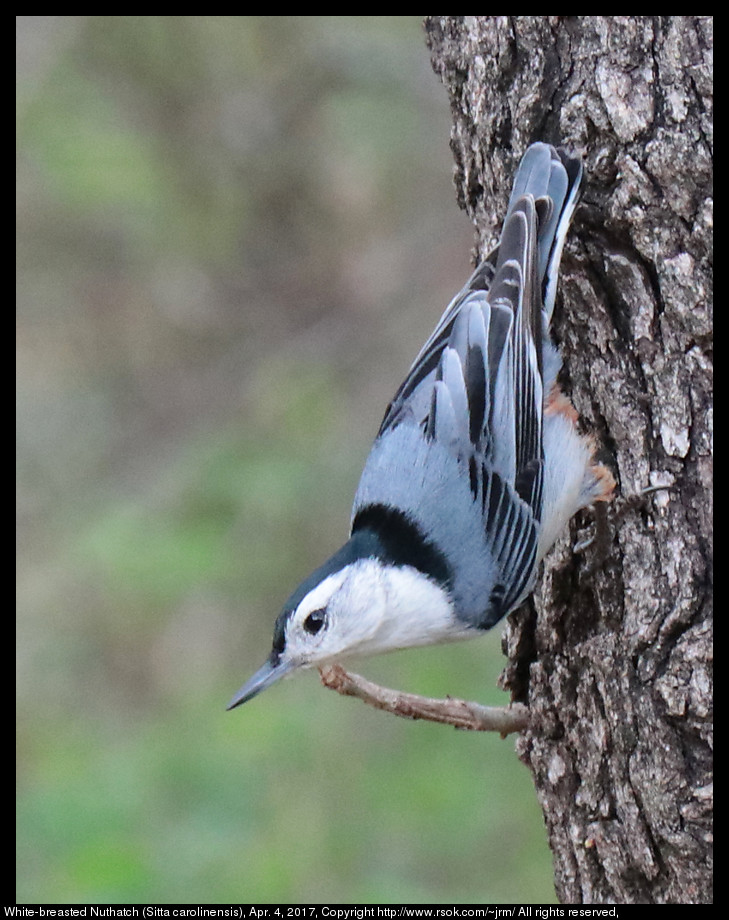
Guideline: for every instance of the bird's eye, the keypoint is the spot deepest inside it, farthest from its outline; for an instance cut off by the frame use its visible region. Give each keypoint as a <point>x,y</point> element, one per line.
<point>314,622</point>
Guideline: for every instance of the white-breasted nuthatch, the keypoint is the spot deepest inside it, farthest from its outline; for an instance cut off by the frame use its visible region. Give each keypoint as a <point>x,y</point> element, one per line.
<point>476,468</point>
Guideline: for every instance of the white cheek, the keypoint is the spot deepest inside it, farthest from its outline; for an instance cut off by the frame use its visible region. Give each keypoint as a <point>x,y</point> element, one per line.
<point>348,597</point>
<point>356,603</point>
<point>322,594</point>
<point>419,612</point>
<point>359,608</point>
<point>371,609</point>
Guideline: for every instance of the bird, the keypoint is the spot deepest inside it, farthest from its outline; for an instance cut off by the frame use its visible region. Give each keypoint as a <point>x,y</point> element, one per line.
<point>477,467</point>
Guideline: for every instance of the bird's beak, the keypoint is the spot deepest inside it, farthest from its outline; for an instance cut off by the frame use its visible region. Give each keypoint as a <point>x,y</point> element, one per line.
<point>263,678</point>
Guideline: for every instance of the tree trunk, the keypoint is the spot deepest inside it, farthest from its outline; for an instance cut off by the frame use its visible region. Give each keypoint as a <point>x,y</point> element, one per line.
<point>615,662</point>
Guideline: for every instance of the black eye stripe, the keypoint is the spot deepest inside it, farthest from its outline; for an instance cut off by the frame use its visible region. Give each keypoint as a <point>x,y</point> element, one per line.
<point>315,621</point>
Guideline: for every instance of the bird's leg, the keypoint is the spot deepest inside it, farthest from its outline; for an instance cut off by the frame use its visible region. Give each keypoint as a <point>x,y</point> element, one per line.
<point>605,522</point>
<point>458,713</point>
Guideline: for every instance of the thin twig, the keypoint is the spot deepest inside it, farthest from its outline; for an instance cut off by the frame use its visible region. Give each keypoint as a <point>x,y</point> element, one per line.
<point>459,713</point>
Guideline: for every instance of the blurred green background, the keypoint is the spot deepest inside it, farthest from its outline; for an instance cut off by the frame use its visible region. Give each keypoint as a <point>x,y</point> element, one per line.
<point>234,234</point>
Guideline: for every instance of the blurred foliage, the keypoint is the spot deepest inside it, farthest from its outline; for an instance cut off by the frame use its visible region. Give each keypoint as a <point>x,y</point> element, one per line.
<point>234,234</point>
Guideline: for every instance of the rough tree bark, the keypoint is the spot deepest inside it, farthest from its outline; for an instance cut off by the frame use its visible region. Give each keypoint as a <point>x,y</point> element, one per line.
<point>614,657</point>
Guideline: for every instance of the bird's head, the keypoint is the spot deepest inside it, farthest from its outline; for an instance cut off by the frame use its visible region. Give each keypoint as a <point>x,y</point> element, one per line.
<point>356,604</point>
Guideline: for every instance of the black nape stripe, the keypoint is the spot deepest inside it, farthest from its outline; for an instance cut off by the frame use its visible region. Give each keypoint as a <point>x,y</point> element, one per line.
<point>401,541</point>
